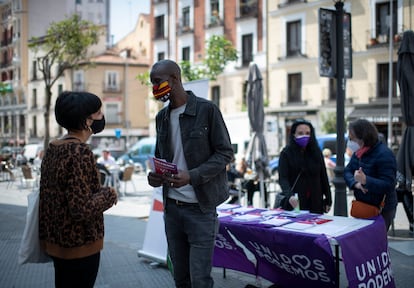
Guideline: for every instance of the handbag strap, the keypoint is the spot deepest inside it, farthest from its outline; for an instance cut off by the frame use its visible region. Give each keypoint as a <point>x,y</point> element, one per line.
<point>294,183</point>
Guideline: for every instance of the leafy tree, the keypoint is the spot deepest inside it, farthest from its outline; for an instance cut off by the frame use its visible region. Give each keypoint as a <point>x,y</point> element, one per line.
<point>329,122</point>
<point>219,52</point>
<point>64,47</point>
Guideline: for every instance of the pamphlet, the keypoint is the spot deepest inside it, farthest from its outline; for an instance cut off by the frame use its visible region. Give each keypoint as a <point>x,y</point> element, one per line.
<point>161,166</point>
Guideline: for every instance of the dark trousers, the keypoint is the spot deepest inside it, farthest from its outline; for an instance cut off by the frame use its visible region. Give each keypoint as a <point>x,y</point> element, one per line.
<point>80,273</point>
<point>252,186</point>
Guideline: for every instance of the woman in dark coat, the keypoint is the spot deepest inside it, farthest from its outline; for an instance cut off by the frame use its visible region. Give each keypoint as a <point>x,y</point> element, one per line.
<point>302,171</point>
<point>372,170</point>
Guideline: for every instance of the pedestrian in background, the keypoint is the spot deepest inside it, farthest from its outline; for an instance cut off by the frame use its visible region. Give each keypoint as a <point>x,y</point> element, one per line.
<point>329,163</point>
<point>371,172</point>
<point>72,201</point>
<point>192,134</point>
<point>302,171</point>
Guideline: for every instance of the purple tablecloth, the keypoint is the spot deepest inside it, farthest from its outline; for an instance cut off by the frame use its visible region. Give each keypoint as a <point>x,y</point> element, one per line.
<point>300,259</point>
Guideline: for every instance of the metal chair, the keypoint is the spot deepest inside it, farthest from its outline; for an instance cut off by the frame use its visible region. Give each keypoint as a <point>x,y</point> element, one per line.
<point>28,180</point>
<point>127,177</point>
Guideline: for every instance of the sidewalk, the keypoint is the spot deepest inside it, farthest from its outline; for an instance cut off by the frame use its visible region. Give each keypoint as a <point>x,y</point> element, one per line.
<point>125,226</point>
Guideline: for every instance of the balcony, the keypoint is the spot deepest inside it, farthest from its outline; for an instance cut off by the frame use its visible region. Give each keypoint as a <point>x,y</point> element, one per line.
<point>382,40</point>
<point>107,88</point>
<point>287,3</point>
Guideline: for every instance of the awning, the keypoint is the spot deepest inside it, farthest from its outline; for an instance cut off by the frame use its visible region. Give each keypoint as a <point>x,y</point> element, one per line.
<point>376,113</point>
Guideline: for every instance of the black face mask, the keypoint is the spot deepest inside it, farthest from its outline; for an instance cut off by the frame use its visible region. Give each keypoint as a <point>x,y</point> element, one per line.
<point>98,125</point>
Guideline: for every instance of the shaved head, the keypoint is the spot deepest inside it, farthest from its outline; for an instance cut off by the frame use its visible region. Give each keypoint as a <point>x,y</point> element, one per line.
<point>168,67</point>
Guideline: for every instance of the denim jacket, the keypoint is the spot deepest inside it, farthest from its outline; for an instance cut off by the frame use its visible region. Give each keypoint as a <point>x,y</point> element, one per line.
<point>207,149</point>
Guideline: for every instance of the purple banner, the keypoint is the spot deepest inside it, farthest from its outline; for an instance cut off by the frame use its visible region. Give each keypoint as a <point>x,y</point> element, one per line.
<point>287,258</point>
<point>366,258</point>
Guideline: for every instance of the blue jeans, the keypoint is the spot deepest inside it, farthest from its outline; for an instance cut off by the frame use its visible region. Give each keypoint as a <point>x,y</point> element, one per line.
<point>191,236</point>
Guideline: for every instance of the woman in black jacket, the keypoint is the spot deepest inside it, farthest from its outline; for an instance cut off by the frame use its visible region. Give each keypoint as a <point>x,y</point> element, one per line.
<point>302,171</point>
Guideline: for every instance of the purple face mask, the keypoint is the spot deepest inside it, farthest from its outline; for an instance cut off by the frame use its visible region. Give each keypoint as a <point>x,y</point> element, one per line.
<point>302,141</point>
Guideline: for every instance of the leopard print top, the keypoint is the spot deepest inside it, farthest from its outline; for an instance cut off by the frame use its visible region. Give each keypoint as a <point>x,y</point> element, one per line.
<point>72,201</point>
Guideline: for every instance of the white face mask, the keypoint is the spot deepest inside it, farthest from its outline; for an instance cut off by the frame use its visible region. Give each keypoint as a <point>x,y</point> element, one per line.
<point>353,146</point>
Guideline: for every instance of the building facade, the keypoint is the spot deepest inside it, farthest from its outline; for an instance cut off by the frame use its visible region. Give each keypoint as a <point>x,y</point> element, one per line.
<point>283,38</point>
<point>112,76</point>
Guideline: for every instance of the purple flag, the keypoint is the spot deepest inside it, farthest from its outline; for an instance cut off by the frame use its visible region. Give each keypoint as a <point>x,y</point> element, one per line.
<point>366,258</point>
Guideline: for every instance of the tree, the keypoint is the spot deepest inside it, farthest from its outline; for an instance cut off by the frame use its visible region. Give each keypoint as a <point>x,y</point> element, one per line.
<point>64,47</point>
<point>329,122</point>
<point>219,52</point>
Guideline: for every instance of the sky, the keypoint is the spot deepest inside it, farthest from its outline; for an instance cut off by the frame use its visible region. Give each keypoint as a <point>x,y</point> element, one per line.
<point>124,16</point>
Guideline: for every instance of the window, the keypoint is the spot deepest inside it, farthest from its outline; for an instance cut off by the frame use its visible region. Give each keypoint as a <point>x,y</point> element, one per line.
<point>34,126</point>
<point>248,8</point>
<point>214,12</point>
<point>186,54</point>
<point>159,27</point>
<point>215,95</point>
<point>332,89</point>
<point>293,40</point>
<point>186,18</point>
<point>112,113</point>
<point>34,70</point>
<point>161,56</point>
<point>383,21</point>
<point>382,91</point>
<point>78,82</point>
<point>78,1</point>
<point>294,88</point>
<point>34,98</point>
<point>247,49</point>
<point>111,80</point>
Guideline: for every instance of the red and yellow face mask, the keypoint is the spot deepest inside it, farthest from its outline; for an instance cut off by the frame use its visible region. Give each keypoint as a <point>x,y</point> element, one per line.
<point>162,91</point>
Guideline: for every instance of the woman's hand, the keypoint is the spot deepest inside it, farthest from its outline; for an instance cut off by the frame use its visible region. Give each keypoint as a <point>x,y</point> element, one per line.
<point>293,201</point>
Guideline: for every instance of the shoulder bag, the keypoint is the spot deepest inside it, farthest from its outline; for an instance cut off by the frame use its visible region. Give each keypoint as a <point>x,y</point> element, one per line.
<point>363,210</point>
<point>30,250</point>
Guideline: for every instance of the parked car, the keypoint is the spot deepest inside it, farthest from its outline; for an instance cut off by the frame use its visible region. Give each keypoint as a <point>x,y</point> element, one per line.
<point>138,154</point>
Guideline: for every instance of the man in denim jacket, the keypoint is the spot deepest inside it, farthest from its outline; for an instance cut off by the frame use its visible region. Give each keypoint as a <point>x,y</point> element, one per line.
<point>192,134</point>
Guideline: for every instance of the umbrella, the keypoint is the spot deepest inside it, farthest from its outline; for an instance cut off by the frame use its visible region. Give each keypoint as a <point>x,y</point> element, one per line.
<point>405,155</point>
<point>257,150</point>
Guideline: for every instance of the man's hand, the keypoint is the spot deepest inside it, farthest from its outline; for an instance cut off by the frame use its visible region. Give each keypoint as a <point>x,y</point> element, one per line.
<point>178,180</point>
<point>154,179</point>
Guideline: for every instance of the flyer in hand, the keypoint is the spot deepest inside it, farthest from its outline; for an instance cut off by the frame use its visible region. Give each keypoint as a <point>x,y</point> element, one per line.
<point>161,166</point>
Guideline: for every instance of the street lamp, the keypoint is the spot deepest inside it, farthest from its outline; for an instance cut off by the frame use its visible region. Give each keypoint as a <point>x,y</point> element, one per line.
<point>340,208</point>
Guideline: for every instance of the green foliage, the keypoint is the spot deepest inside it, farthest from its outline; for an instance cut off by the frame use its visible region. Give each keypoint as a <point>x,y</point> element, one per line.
<point>5,88</point>
<point>64,46</point>
<point>329,122</point>
<point>65,43</point>
<point>144,79</point>
<point>219,52</point>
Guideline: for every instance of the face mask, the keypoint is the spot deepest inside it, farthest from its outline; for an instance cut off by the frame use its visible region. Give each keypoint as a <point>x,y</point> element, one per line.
<point>353,146</point>
<point>98,125</point>
<point>162,91</point>
<point>302,141</point>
